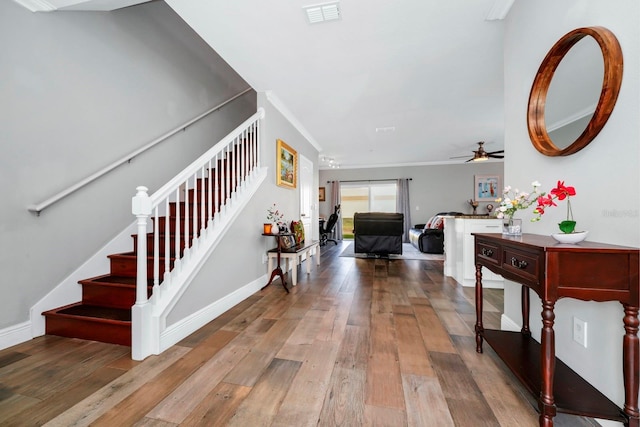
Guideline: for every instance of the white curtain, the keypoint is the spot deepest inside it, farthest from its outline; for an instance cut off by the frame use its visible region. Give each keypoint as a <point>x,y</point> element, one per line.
<point>335,201</point>
<point>403,206</point>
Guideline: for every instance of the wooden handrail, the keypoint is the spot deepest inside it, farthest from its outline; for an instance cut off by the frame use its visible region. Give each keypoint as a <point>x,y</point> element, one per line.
<point>126,159</point>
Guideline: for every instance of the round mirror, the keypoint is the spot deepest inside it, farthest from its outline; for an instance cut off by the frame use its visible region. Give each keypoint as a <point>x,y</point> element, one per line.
<point>574,91</point>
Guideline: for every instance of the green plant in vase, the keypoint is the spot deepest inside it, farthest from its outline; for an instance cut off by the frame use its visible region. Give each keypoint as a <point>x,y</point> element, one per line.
<point>561,192</point>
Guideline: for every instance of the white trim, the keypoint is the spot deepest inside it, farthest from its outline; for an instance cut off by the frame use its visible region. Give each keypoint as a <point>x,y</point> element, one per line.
<point>279,105</point>
<point>15,334</point>
<point>499,10</point>
<point>506,324</point>
<point>183,328</point>
<point>36,5</point>
<point>587,111</point>
<point>408,164</point>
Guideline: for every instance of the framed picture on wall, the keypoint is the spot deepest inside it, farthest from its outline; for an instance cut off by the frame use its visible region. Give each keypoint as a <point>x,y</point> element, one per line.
<point>286,165</point>
<point>321,194</point>
<point>486,188</point>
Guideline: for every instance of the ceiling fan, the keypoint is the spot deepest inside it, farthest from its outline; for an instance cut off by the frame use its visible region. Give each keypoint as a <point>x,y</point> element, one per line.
<point>480,155</point>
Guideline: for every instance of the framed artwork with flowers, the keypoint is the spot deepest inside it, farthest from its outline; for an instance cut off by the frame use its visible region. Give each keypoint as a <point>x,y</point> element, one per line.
<point>286,165</point>
<point>487,188</point>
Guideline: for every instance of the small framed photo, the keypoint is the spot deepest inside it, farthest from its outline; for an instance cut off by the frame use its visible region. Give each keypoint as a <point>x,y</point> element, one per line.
<point>321,194</point>
<point>286,165</point>
<point>487,188</point>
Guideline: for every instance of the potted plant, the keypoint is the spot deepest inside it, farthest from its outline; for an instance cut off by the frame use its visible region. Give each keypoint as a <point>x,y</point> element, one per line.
<point>567,226</point>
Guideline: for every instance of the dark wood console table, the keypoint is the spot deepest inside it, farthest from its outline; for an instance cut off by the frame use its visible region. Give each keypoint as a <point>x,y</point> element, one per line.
<point>584,271</point>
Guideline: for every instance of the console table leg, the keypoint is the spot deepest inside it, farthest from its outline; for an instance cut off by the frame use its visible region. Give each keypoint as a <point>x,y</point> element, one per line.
<point>548,365</point>
<point>479,327</point>
<point>524,301</point>
<point>630,362</point>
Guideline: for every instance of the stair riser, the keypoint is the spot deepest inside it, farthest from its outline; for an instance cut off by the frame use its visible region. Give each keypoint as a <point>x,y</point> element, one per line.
<point>161,245</point>
<point>173,209</point>
<point>86,329</point>
<point>127,266</point>
<point>172,225</point>
<point>109,296</point>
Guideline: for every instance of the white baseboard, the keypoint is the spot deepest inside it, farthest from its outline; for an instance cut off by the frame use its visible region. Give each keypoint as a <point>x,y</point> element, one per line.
<point>506,324</point>
<point>15,334</point>
<point>185,327</point>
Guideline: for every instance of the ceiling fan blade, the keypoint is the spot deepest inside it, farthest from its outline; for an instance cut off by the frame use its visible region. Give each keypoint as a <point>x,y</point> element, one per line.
<point>495,156</point>
<point>496,152</point>
<point>459,157</point>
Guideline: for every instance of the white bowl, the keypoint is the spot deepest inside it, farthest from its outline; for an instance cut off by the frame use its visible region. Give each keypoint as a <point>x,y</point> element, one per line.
<point>575,237</point>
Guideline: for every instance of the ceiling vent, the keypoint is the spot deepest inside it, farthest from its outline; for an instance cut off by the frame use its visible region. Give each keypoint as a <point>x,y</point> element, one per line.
<point>322,12</point>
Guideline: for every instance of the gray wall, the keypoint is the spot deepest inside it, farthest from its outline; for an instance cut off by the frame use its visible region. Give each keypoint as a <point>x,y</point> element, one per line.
<point>237,261</point>
<point>606,174</point>
<point>80,90</point>
<point>433,189</point>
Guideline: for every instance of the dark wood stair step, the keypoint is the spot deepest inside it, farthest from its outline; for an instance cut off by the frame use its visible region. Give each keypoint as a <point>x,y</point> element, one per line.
<point>125,264</point>
<point>90,322</point>
<point>111,291</point>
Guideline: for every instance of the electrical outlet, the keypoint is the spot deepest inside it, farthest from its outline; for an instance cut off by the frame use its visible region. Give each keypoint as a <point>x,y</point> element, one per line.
<point>580,331</point>
<point>264,258</point>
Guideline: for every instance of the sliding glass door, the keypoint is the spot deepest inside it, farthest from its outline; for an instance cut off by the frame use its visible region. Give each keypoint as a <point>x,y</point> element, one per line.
<point>365,197</point>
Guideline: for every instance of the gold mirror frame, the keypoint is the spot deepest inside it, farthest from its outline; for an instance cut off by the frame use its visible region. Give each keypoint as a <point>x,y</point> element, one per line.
<point>612,56</point>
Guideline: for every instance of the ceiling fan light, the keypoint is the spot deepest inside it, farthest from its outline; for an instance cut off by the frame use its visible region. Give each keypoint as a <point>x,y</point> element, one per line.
<point>480,158</point>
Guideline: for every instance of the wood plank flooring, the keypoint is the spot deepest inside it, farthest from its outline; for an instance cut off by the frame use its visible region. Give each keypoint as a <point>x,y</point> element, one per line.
<point>359,342</point>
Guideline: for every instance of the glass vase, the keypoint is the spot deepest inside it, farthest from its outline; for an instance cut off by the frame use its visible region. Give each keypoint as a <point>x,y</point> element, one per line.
<point>512,226</point>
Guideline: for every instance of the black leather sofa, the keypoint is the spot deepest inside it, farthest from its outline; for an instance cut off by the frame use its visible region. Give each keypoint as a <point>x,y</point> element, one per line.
<point>429,240</point>
<point>378,233</point>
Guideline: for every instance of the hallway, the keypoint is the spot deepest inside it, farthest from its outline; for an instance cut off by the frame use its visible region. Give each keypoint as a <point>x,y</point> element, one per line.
<point>358,342</point>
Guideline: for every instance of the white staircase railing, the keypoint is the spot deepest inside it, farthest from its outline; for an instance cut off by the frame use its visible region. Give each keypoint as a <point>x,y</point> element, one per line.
<point>189,216</point>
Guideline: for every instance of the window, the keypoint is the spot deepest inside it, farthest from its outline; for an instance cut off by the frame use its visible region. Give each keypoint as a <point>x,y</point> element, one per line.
<point>365,197</point>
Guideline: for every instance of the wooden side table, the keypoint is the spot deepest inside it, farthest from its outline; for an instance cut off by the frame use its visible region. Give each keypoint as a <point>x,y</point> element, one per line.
<point>585,271</point>
<point>277,271</point>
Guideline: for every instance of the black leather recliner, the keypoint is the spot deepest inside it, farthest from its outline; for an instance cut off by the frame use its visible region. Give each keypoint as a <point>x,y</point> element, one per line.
<point>378,233</point>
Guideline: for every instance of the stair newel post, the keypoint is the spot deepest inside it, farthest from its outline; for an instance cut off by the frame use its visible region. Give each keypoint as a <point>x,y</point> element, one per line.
<point>141,310</point>
<point>141,208</point>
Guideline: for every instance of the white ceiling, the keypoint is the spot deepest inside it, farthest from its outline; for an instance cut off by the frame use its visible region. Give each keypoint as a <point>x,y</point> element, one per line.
<point>428,72</point>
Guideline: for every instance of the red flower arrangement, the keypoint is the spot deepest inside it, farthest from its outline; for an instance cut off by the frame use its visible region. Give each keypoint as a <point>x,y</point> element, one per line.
<point>561,192</point>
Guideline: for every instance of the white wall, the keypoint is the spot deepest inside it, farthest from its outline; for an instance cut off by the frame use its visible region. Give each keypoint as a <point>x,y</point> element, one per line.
<point>432,189</point>
<point>606,174</point>
<point>80,90</point>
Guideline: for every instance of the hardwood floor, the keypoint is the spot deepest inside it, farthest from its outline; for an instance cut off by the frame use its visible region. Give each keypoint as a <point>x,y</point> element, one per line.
<point>358,342</point>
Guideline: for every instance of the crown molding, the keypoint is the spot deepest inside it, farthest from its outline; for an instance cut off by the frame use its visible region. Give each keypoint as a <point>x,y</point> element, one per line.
<point>76,5</point>
<point>499,10</point>
<point>36,5</point>
<point>279,105</point>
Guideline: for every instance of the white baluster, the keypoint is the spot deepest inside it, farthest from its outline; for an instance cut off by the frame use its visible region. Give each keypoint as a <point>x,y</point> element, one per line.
<point>167,244</point>
<point>178,235</point>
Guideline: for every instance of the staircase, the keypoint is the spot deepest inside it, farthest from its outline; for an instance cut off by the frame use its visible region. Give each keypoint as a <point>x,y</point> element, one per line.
<point>189,215</point>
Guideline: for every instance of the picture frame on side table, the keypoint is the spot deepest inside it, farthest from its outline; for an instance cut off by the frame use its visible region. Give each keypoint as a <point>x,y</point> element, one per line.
<point>286,165</point>
<point>487,188</point>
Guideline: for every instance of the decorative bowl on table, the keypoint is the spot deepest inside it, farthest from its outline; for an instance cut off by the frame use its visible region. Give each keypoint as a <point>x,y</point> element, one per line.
<point>575,237</point>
